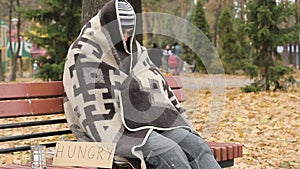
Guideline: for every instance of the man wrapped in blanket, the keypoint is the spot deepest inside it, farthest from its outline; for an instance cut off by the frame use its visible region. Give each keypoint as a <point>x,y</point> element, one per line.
<point>114,93</point>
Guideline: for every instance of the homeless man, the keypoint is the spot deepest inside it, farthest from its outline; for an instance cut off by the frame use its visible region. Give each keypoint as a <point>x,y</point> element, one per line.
<point>114,93</point>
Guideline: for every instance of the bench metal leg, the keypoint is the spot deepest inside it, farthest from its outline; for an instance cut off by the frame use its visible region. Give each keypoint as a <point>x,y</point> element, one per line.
<point>227,163</point>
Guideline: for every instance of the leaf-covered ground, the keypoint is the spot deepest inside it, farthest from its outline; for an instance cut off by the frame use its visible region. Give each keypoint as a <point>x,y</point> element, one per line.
<point>266,123</point>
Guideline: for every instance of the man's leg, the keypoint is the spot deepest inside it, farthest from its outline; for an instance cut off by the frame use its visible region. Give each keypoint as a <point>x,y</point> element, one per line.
<point>163,153</point>
<point>196,149</point>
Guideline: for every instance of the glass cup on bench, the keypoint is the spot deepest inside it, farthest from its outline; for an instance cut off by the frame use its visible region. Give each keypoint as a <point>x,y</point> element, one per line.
<point>38,156</point>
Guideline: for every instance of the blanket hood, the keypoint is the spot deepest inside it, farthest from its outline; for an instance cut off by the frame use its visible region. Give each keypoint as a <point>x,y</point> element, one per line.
<point>111,21</point>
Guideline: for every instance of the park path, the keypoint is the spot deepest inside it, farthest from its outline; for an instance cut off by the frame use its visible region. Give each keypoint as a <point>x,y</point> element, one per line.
<point>192,81</point>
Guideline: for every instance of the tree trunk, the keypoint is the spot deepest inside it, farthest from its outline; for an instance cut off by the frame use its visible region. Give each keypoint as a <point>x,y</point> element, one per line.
<point>90,8</point>
<point>13,73</point>
<point>20,66</point>
<point>217,16</point>
<point>291,54</point>
<point>266,77</point>
<point>242,6</point>
<point>285,54</point>
<point>1,68</point>
<point>297,46</point>
<point>147,26</point>
<point>15,55</point>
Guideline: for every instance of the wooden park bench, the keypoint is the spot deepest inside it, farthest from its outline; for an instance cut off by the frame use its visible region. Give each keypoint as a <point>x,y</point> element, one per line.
<point>35,99</point>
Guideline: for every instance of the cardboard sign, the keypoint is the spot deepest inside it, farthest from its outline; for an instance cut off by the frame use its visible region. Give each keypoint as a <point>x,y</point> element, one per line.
<point>84,154</point>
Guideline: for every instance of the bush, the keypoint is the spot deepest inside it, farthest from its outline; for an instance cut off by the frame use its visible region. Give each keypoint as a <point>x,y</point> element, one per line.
<point>253,87</point>
<point>280,78</point>
<point>50,71</point>
<point>251,70</point>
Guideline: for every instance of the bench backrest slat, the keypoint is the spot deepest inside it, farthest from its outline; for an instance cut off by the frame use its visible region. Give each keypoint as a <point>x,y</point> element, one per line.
<point>30,90</point>
<point>30,107</point>
<point>179,94</point>
<point>174,82</point>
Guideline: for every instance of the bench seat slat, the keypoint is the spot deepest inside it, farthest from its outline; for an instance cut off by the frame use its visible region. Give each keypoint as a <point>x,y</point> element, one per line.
<point>32,123</point>
<point>28,90</point>
<point>49,166</point>
<point>226,151</point>
<point>34,135</point>
<point>30,107</point>
<point>24,148</point>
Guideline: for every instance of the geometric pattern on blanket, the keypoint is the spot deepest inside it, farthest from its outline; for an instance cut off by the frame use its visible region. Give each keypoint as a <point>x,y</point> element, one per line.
<point>91,72</point>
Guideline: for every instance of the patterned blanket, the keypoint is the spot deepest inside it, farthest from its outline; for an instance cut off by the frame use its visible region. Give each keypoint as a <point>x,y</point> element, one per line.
<point>112,96</point>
